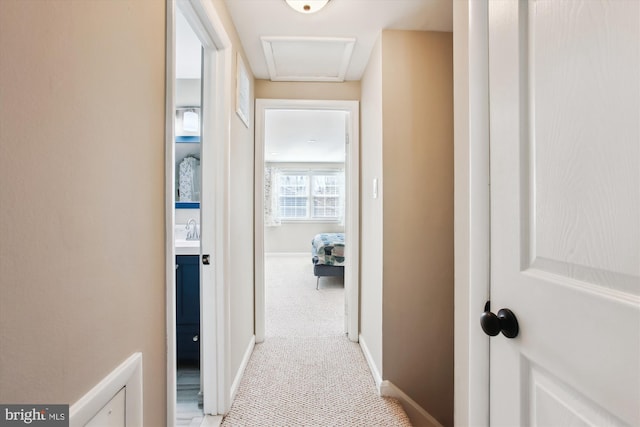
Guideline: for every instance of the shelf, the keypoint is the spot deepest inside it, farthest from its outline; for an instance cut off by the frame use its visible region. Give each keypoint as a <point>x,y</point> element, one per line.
<point>182,139</point>
<point>187,205</point>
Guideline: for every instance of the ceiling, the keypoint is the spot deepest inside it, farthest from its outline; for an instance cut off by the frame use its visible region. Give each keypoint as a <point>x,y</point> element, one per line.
<point>304,136</point>
<point>362,20</point>
<point>188,49</point>
<point>333,44</point>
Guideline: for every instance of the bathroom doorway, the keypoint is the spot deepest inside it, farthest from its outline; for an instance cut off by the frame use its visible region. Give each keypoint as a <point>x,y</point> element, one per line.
<point>196,224</point>
<point>188,184</point>
<point>307,186</point>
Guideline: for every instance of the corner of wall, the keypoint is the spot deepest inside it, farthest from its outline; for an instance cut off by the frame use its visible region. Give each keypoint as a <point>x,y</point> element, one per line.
<point>417,151</point>
<point>416,413</point>
<point>375,371</point>
<point>371,222</point>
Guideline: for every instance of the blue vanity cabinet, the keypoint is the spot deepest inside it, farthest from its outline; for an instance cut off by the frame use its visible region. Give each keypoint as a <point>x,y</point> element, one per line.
<point>188,308</point>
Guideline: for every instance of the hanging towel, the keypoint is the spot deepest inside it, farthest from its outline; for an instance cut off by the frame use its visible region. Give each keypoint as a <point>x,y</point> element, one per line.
<point>189,177</point>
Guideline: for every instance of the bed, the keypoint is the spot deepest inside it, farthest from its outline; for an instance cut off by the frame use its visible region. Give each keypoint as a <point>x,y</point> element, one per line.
<point>327,255</point>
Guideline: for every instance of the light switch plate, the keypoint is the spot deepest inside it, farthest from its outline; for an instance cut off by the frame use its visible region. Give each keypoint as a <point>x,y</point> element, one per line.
<point>375,188</point>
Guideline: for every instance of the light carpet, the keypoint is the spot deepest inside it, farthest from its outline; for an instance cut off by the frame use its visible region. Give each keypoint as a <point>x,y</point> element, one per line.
<point>307,372</point>
<point>313,381</point>
<point>293,306</point>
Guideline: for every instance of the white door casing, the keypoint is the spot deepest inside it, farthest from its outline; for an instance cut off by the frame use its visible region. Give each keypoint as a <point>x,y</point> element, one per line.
<point>214,238</point>
<point>564,82</point>
<point>352,214</point>
<point>472,212</point>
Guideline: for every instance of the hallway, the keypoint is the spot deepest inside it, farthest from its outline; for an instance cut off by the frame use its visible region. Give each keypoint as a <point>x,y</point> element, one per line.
<point>307,372</point>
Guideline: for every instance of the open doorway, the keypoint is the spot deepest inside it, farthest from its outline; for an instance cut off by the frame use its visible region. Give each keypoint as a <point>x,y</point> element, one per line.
<point>306,218</point>
<point>206,342</point>
<point>304,153</point>
<point>188,184</point>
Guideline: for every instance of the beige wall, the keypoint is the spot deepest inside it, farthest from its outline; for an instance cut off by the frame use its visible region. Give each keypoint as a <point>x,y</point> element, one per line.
<point>188,92</point>
<point>371,218</point>
<point>407,281</point>
<point>417,75</point>
<point>82,195</point>
<point>240,215</point>
<point>296,237</point>
<point>346,91</point>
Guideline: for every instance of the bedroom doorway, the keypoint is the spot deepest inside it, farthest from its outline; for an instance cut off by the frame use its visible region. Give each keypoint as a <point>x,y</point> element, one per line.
<point>306,187</point>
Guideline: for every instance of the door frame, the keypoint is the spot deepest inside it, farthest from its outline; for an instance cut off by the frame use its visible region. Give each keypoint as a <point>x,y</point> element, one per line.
<point>216,97</point>
<point>472,210</point>
<point>352,205</point>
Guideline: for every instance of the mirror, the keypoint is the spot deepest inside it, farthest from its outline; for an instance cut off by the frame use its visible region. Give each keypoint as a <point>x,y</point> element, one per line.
<point>187,117</point>
<point>187,153</point>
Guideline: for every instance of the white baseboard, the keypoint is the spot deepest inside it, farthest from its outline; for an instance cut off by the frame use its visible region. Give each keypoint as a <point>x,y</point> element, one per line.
<point>243,365</point>
<point>211,421</point>
<point>129,375</point>
<point>372,366</point>
<point>418,416</point>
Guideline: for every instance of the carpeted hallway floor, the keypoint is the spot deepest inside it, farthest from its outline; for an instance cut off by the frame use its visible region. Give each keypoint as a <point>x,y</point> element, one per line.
<point>293,306</point>
<point>307,373</point>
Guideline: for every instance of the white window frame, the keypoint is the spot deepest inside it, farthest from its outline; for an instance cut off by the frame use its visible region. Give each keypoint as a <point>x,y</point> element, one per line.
<point>310,173</point>
<point>305,195</point>
<point>338,195</point>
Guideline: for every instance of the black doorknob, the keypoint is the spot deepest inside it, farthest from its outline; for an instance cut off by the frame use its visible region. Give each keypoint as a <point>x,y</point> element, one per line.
<point>505,321</point>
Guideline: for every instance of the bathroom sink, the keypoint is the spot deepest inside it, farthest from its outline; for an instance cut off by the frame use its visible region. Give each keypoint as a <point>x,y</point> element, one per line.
<point>188,243</point>
<point>187,247</point>
<point>182,245</point>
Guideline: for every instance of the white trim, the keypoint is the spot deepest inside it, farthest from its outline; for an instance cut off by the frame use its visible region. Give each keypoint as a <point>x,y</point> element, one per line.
<point>352,221</point>
<point>222,263</point>
<point>169,209</point>
<point>211,421</point>
<point>218,60</point>
<point>352,205</point>
<point>267,47</point>
<point>309,221</point>
<point>416,413</point>
<point>372,365</point>
<point>209,373</point>
<point>235,386</point>
<point>258,220</point>
<point>243,89</point>
<point>472,210</point>
<point>211,33</point>
<point>128,374</point>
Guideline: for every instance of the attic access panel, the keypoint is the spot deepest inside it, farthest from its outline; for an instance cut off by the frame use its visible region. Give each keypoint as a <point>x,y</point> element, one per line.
<point>310,59</point>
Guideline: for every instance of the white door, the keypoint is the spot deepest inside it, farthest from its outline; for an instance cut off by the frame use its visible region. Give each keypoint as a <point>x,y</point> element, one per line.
<point>214,233</point>
<point>208,252</point>
<point>565,211</point>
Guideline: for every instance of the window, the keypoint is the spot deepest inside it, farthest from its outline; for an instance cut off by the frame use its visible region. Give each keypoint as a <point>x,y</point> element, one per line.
<point>310,195</point>
<point>325,195</point>
<point>293,196</point>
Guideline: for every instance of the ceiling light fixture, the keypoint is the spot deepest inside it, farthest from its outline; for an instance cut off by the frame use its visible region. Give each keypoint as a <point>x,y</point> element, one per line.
<point>307,6</point>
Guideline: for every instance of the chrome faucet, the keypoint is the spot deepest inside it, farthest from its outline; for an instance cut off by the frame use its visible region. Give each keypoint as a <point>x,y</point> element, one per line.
<point>192,230</point>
